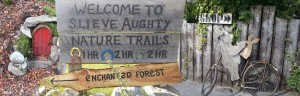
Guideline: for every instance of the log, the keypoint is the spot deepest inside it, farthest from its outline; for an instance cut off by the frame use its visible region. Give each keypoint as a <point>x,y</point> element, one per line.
<point>207,51</point>
<point>279,45</point>
<point>254,28</point>
<point>244,30</point>
<point>291,47</point>
<point>198,57</point>
<point>183,49</point>
<point>190,37</point>
<point>266,33</point>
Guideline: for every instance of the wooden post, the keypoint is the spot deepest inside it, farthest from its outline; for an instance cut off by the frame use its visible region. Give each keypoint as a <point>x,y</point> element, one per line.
<point>217,31</point>
<point>244,35</point>
<point>198,57</point>
<point>183,49</point>
<point>244,30</point>
<point>190,49</point>
<point>266,33</point>
<point>279,44</point>
<point>254,28</point>
<point>291,47</point>
<point>207,51</point>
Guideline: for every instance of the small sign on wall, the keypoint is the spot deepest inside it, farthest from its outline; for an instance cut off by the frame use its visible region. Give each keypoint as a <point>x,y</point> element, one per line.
<point>225,18</point>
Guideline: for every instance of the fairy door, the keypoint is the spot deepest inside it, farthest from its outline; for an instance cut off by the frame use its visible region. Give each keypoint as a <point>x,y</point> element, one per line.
<point>42,37</point>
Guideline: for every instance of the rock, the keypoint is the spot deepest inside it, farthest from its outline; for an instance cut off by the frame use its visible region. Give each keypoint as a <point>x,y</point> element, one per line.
<point>21,66</point>
<point>53,92</point>
<point>170,88</point>
<point>17,58</point>
<point>18,33</point>
<point>70,92</point>
<point>131,91</point>
<point>15,47</point>
<point>54,53</point>
<point>98,94</point>
<point>42,90</point>
<point>54,40</point>
<point>26,31</point>
<point>61,68</point>
<point>156,91</point>
<point>39,64</point>
<point>15,70</point>
<point>33,21</point>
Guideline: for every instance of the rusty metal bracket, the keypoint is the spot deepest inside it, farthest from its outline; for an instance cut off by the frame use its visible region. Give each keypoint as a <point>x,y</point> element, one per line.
<point>73,58</point>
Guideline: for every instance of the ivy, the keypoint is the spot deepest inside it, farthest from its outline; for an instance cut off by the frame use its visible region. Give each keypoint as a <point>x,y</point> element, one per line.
<point>202,31</point>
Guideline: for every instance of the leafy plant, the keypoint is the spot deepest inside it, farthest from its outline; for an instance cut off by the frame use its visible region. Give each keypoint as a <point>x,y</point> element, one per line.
<point>191,12</point>
<point>24,46</point>
<point>245,16</point>
<point>7,2</point>
<point>53,27</point>
<point>236,34</point>
<point>50,10</point>
<point>51,1</point>
<point>294,80</point>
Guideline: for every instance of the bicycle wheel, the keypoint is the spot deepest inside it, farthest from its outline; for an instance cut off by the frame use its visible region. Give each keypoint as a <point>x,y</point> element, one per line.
<point>209,81</point>
<point>261,78</point>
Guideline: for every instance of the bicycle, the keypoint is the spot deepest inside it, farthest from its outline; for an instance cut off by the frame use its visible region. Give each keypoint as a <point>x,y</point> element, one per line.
<point>257,76</point>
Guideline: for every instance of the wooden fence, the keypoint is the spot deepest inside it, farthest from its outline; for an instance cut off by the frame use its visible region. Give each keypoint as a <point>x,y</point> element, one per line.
<point>278,41</point>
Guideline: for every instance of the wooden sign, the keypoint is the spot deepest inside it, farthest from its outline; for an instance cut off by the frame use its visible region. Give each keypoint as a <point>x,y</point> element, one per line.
<point>121,48</point>
<point>94,16</point>
<point>146,74</point>
<point>225,18</point>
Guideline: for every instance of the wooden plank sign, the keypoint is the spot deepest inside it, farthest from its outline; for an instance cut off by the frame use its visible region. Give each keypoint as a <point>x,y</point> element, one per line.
<point>146,74</point>
<point>225,18</point>
<point>121,48</point>
<point>94,16</point>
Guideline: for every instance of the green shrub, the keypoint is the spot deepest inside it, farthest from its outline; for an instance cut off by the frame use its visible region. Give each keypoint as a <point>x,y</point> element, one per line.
<point>24,46</point>
<point>53,27</point>
<point>294,80</point>
<point>191,12</point>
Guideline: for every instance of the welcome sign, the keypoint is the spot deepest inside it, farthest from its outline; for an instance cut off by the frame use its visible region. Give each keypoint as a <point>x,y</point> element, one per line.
<point>94,16</point>
<point>124,31</point>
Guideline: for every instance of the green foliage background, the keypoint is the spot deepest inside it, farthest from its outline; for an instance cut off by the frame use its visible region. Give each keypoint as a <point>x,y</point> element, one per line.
<point>240,9</point>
